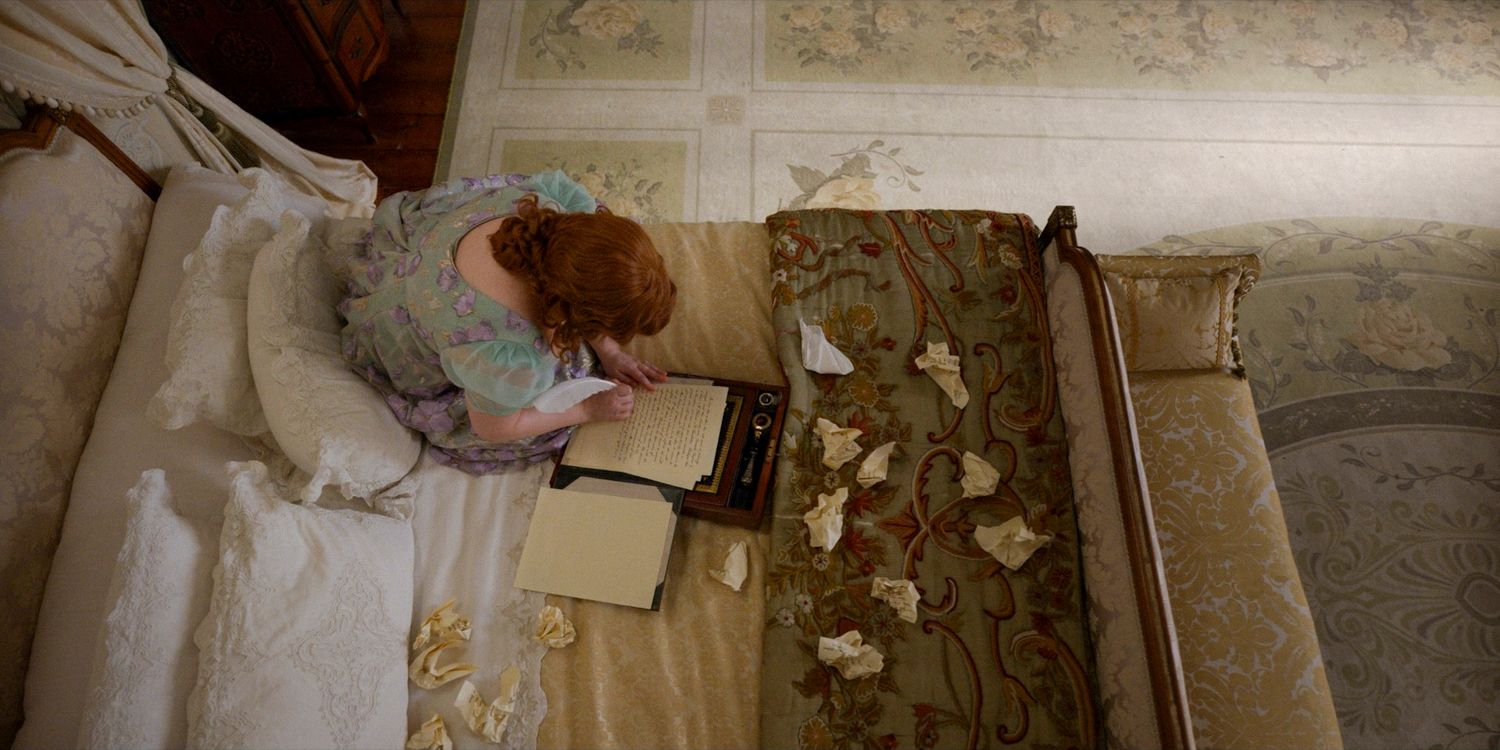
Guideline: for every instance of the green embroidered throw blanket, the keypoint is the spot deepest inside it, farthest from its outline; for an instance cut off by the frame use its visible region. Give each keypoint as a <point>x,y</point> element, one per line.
<point>996,656</point>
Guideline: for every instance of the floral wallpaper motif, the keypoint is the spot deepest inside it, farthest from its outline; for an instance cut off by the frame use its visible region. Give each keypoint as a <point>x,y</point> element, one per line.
<point>591,39</point>
<point>845,36</point>
<point>621,186</point>
<point>854,182</point>
<point>1372,347</point>
<point>1010,37</point>
<point>643,180</point>
<point>1413,306</point>
<point>619,21</point>
<point>1299,45</point>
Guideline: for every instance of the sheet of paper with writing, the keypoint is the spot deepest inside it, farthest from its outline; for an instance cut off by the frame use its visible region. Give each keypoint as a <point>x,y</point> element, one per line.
<point>671,437</point>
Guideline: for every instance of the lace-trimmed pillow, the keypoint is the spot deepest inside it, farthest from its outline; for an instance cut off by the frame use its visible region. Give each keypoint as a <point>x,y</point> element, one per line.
<point>304,644</point>
<point>207,359</point>
<point>1179,313</point>
<point>327,420</point>
<point>144,652</point>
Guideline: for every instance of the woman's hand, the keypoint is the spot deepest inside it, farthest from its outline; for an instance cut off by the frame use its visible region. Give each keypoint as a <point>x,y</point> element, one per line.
<point>625,367</point>
<point>614,405</point>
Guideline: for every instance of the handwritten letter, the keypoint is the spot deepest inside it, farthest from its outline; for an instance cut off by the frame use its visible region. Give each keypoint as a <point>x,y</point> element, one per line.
<point>671,437</point>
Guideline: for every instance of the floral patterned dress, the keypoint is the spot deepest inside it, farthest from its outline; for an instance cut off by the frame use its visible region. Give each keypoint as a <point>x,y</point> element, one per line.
<point>425,338</point>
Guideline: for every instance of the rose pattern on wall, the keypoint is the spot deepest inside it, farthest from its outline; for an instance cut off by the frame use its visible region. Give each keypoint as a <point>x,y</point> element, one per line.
<point>852,184</point>
<point>846,35</point>
<point>1378,326</point>
<point>1010,37</point>
<point>622,22</point>
<point>1200,44</point>
<point>622,186</point>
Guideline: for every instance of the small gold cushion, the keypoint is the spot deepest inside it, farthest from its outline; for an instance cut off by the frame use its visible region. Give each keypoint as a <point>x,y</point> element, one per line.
<point>1178,313</point>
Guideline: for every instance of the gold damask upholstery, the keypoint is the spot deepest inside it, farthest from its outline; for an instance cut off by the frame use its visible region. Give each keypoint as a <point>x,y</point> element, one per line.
<point>1249,649</point>
<point>1179,315</point>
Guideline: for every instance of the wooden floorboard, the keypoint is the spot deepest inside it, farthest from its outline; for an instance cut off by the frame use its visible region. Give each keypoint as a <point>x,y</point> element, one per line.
<point>405,100</point>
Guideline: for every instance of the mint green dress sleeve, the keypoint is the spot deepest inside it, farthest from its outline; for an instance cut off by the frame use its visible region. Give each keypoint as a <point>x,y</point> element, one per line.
<point>499,377</point>
<point>561,189</point>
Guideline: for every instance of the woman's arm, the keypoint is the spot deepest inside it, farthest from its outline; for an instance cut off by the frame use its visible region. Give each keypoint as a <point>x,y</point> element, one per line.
<point>624,367</point>
<point>610,406</point>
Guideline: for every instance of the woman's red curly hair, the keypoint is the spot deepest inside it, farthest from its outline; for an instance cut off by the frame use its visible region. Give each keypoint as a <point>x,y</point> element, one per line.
<point>595,274</point>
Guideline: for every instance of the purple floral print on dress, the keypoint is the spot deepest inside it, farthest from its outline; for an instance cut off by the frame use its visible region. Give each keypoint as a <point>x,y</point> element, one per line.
<point>481,331</point>
<point>486,460</point>
<point>465,304</point>
<point>407,265</point>
<point>429,416</point>
<point>403,359</point>
<point>514,322</point>
<point>428,394</point>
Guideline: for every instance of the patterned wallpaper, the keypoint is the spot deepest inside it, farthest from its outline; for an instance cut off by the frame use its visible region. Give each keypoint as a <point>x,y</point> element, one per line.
<point>1154,117</point>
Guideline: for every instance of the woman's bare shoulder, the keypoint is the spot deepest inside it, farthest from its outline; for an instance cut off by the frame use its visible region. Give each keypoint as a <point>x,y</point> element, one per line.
<point>476,264</point>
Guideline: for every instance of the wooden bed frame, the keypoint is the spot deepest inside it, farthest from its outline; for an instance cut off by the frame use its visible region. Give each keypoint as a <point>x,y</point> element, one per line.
<point>40,126</point>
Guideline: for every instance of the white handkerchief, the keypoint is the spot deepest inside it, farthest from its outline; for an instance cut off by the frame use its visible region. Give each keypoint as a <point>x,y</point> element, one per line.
<point>736,567</point>
<point>979,477</point>
<point>553,628</point>
<point>838,443</point>
<point>943,368</point>
<point>873,470</point>
<point>564,395</point>
<point>1012,542</point>
<point>820,355</point>
<point>901,594</point>
<point>432,736</point>
<point>850,656</point>
<point>425,672</point>
<point>825,523</point>
<point>489,719</point>
<point>442,623</point>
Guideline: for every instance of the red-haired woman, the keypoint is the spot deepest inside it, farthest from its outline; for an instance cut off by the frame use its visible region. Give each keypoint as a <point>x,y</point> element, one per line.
<point>472,298</point>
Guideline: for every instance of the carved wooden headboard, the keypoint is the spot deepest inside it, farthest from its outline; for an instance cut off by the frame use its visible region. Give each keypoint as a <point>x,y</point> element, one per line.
<point>40,127</point>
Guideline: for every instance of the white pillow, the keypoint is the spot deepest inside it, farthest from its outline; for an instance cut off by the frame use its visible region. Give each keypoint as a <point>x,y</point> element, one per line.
<point>327,419</point>
<point>144,661</point>
<point>208,363</point>
<point>305,640</point>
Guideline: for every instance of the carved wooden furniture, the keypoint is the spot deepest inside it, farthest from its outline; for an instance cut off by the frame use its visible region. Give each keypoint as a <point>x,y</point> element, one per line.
<point>278,59</point>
